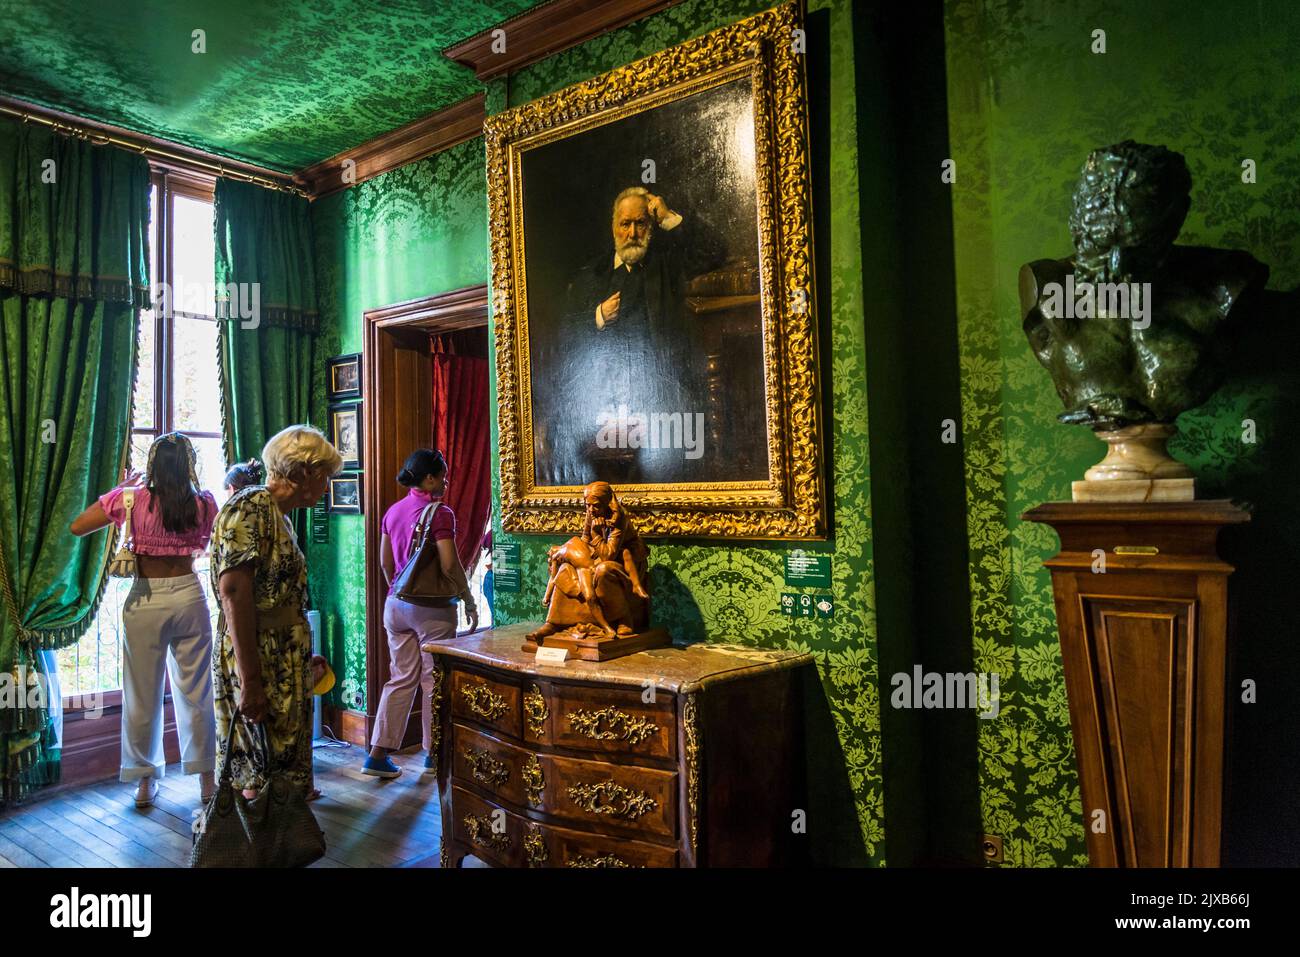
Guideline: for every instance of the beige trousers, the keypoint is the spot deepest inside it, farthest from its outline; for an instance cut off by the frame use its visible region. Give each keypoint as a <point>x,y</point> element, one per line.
<point>408,627</point>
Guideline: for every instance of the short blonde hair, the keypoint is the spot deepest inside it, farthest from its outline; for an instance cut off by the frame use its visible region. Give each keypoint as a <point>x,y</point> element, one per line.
<point>299,449</point>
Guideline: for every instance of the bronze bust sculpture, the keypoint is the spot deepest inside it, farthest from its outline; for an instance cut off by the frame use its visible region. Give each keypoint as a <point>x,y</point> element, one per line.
<point>596,591</point>
<point>1132,327</point>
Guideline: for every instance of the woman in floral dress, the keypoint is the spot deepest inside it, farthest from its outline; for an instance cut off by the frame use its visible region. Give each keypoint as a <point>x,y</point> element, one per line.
<point>262,659</point>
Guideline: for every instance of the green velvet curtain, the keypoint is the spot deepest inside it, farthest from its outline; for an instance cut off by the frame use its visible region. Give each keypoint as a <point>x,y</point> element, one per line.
<point>268,360</point>
<point>73,274</point>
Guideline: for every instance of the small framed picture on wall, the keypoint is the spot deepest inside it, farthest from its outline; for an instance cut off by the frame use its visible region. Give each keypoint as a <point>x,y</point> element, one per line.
<point>345,433</point>
<point>345,493</point>
<point>345,377</point>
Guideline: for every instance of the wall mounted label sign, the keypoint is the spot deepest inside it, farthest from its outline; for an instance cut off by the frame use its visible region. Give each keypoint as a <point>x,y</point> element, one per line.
<point>505,566</point>
<point>825,606</point>
<point>808,569</point>
<point>798,606</point>
<point>320,524</point>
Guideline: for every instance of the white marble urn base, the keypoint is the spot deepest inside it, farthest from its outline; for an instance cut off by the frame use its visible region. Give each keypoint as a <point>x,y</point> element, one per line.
<point>1137,468</point>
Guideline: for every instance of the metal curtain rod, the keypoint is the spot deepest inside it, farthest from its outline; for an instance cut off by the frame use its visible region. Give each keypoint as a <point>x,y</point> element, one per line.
<point>100,138</point>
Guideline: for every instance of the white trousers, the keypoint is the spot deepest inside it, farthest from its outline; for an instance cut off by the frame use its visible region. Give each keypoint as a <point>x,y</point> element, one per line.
<point>167,629</point>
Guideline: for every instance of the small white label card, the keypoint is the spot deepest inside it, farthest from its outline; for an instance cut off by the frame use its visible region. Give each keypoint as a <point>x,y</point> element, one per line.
<point>552,656</point>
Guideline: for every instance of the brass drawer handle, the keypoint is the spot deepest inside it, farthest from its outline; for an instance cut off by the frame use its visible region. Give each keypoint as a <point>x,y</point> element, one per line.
<point>618,725</point>
<point>1136,550</point>
<point>611,798</point>
<point>605,860</point>
<point>536,710</point>
<point>534,780</point>
<point>535,847</point>
<point>481,833</point>
<point>485,768</point>
<point>485,703</point>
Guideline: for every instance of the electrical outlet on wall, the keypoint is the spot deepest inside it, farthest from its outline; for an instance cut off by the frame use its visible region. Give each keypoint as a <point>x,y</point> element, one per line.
<point>992,849</point>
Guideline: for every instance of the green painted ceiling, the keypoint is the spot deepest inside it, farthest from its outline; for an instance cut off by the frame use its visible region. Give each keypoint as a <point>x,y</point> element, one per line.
<point>282,85</point>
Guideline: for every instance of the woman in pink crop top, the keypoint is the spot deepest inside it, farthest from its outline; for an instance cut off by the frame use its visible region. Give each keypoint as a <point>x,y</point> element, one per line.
<point>165,615</point>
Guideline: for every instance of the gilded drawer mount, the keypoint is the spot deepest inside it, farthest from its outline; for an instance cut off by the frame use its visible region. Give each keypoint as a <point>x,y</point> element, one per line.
<point>609,797</point>
<point>484,702</point>
<point>485,768</point>
<point>605,860</point>
<point>536,711</point>
<point>535,847</point>
<point>481,833</point>
<point>534,780</point>
<point>610,724</point>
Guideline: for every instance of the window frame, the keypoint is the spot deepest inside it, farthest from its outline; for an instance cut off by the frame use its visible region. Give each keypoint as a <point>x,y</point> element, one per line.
<point>169,182</point>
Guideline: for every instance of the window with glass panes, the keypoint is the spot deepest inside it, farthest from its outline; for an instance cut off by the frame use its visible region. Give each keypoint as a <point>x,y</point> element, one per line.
<point>176,390</point>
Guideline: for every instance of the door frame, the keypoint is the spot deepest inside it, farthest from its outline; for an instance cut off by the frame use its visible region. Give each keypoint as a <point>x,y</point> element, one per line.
<point>396,364</point>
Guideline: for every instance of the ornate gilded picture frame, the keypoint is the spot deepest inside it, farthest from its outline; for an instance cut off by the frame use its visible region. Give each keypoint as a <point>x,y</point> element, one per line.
<point>653,292</point>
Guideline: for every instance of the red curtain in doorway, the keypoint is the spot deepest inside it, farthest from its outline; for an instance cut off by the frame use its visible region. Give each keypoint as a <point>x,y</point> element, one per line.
<point>461,430</point>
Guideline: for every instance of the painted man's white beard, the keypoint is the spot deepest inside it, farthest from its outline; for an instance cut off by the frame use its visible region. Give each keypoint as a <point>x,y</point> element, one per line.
<point>633,252</point>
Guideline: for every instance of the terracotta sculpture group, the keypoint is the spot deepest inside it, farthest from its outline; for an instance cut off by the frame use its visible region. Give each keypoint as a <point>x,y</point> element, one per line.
<point>597,588</point>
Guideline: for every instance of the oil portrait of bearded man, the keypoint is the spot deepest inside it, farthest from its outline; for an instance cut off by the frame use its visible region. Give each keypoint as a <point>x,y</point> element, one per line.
<point>644,317</point>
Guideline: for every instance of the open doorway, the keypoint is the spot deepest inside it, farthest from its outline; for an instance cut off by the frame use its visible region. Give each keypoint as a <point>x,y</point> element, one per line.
<point>461,430</point>
<point>425,385</point>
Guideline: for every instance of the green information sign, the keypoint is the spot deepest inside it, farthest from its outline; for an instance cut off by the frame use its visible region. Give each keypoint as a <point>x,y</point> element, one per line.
<point>506,572</point>
<point>808,570</point>
<point>798,606</point>
<point>320,524</point>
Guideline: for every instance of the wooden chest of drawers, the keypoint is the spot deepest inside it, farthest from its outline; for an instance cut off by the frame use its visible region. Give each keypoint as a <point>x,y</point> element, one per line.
<point>672,757</point>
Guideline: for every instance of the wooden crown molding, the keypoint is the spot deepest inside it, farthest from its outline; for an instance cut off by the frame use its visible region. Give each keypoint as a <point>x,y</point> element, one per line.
<point>547,29</point>
<point>531,36</point>
<point>420,138</point>
<point>463,308</point>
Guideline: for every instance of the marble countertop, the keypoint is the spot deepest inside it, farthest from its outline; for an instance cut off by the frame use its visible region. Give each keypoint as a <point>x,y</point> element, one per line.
<point>681,669</point>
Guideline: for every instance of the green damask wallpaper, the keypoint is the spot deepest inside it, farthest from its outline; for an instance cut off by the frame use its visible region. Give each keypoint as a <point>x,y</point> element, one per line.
<point>412,232</point>
<point>422,229</point>
<point>707,591</point>
<point>1027,100</point>
<point>282,85</point>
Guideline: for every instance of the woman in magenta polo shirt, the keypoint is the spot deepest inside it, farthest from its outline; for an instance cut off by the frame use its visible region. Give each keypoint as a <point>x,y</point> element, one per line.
<point>409,626</point>
<point>165,616</point>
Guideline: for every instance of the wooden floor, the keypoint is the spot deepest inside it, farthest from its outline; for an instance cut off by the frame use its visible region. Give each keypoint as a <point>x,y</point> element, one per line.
<point>367,822</point>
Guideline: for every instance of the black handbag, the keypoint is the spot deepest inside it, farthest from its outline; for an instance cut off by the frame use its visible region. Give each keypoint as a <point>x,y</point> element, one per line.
<point>274,829</point>
<point>422,580</point>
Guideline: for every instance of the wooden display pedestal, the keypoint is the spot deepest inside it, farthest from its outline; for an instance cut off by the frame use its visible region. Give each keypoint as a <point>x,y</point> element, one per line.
<point>1142,609</point>
<point>590,648</point>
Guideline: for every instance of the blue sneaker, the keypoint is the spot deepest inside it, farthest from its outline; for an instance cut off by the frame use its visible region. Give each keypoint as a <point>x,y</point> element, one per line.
<point>380,767</point>
<point>430,764</point>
